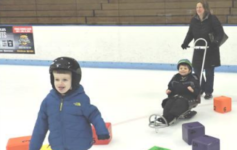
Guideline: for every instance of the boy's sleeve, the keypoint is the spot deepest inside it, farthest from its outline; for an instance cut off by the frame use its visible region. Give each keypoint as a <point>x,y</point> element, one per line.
<point>170,86</point>
<point>92,113</point>
<point>40,129</point>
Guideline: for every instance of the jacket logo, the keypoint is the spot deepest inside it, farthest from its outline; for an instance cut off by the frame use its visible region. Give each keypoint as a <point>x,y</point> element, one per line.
<point>77,104</point>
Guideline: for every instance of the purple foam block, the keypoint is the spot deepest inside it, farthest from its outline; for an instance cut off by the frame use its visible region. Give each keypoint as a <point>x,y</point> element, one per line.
<point>191,131</point>
<point>206,143</point>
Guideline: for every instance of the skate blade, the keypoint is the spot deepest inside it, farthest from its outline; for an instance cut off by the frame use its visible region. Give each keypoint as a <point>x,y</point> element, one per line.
<point>157,125</point>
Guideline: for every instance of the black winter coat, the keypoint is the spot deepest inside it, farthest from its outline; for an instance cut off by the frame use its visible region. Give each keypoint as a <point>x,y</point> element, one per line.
<point>179,84</point>
<point>201,29</point>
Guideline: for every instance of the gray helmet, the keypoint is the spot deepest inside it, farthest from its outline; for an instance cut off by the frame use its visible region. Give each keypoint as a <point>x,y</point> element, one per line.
<point>69,64</point>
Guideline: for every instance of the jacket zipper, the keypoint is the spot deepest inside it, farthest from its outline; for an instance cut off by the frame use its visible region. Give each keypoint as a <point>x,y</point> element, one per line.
<point>61,105</point>
<point>60,109</point>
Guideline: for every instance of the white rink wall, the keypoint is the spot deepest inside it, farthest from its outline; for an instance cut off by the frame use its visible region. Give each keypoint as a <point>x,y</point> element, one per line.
<point>125,44</point>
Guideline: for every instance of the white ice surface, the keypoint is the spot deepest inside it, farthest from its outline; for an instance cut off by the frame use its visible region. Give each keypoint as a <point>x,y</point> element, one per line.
<point>126,98</point>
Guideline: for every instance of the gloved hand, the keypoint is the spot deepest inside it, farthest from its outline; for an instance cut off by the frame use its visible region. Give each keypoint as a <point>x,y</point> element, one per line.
<point>103,137</point>
<point>184,46</point>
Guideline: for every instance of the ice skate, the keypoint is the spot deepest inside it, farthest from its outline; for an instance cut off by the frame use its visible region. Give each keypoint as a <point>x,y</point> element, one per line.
<point>190,114</point>
<point>157,121</point>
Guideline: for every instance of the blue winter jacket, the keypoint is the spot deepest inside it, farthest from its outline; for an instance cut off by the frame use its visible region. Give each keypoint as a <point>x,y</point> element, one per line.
<point>68,120</point>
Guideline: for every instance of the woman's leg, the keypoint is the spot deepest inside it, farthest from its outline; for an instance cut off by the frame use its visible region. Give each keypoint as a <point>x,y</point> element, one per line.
<point>198,71</point>
<point>209,82</point>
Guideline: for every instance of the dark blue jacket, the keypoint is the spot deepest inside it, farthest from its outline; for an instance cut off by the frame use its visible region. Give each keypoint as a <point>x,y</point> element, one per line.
<point>68,119</point>
<point>179,86</point>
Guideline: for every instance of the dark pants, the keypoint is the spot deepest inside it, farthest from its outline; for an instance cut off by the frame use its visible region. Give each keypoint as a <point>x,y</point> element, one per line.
<point>207,85</point>
<point>174,107</point>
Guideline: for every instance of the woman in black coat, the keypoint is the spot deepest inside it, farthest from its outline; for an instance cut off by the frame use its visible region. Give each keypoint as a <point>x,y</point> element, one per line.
<point>201,25</point>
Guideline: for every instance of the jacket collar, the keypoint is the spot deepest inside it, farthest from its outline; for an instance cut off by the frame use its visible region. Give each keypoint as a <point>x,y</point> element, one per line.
<point>205,18</point>
<point>78,91</point>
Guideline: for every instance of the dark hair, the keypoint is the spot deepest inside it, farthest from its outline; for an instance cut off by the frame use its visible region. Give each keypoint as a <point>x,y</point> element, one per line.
<point>205,5</point>
<point>186,65</point>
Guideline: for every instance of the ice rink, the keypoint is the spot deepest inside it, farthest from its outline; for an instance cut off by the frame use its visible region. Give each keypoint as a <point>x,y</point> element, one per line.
<point>126,98</point>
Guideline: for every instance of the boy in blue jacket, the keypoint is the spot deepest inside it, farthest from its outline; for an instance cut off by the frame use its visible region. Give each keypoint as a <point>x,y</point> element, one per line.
<point>66,111</point>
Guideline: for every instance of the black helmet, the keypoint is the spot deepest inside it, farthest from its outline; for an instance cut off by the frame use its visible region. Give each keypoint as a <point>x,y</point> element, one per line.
<point>186,62</point>
<point>66,63</point>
